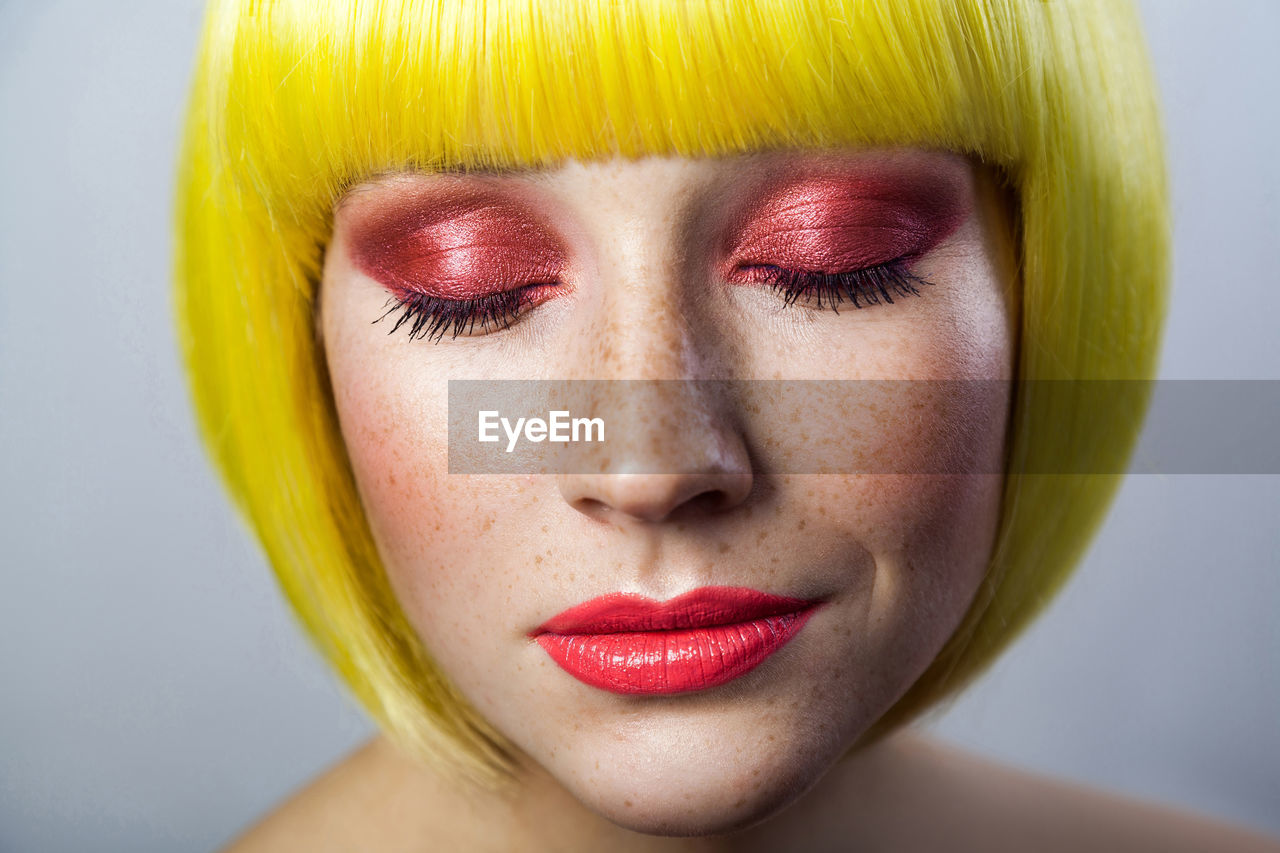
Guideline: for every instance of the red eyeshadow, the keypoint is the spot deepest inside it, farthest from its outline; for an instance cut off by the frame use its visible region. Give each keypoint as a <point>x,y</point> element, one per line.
<point>459,246</point>
<point>833,223</point>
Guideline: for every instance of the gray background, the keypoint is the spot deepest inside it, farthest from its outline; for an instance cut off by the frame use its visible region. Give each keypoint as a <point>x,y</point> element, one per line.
<point>155,693</point>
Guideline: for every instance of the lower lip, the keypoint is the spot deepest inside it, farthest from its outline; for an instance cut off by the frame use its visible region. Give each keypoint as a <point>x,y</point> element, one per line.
<point>672,661</point>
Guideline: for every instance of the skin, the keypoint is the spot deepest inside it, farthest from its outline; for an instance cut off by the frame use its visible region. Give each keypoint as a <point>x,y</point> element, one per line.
<point>477,562</point>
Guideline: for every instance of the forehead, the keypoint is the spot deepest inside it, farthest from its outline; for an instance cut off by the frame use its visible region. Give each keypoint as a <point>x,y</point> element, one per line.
<point>622,180</point>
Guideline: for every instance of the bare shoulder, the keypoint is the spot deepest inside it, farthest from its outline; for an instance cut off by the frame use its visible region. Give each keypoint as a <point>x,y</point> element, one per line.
<point>1019,810</point>
<point>350,806</point>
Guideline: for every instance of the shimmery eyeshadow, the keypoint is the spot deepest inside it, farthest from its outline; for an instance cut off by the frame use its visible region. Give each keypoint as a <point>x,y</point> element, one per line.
<point>831,223</point>
<point>458,246</point>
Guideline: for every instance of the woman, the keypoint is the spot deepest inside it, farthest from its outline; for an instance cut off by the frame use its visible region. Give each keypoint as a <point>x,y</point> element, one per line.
<point>698,637</point>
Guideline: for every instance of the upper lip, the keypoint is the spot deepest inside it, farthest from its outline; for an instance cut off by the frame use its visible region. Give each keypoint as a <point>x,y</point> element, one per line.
<point>705,607</point>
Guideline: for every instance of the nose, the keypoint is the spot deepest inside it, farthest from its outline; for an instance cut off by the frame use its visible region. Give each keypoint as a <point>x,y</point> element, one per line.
<point>676,444</point>
<point>675,452</point>
<point>654,497</point>
<point>650,348</point>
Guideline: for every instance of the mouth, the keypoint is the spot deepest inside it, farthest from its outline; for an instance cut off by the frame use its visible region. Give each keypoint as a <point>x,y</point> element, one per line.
<point>629,644</point>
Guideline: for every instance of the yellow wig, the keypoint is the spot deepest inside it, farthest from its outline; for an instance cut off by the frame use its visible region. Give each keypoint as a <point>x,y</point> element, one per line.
<point>294,101</point>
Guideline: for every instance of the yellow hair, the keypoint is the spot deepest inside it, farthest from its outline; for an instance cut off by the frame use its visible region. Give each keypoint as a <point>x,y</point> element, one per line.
<point>296,100</point>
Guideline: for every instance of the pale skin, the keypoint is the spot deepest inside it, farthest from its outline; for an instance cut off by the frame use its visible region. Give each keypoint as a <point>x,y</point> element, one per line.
<point>764,762</point>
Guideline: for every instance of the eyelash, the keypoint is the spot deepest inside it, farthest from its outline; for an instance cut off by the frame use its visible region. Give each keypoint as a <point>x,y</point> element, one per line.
<point>864,287</point>
<point>431,317</point>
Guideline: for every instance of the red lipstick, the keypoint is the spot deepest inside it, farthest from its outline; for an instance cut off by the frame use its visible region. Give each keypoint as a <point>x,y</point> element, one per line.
<point>630,644</point>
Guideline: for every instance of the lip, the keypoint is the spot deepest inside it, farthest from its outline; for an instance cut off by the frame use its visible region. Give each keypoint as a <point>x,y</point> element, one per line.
<point>629,644</point>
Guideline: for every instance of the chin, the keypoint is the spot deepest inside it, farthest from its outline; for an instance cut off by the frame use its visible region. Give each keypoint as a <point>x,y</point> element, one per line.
<point>690,807</point>
<point>701,782</point>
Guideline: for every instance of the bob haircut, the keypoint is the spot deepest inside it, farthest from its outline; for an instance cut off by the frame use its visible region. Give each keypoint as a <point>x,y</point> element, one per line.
<point>295,101</point>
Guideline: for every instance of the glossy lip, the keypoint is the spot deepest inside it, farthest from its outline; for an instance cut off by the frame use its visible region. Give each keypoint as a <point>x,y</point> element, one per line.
<point>633,645</point>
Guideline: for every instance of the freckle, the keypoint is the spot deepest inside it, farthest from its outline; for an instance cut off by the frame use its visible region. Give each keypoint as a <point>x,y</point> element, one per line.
<point>724,548</point>
<point>537,559</point>
<point>800,526</point>
<point>488,522</point>
<point>544,528</point>
<point>740,803</point>
<point>627,803</point>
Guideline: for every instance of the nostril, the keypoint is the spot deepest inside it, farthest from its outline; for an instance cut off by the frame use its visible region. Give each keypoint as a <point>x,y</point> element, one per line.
<point>654,497</point>
<point>713,500</point>
<point>591,507</point>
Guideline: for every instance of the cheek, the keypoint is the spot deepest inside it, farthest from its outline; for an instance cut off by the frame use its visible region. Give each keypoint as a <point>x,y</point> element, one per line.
<point>448,544</point>
<point>925,543</point>
<point>394,434</point>
<point>934,533</point>
<point>914,479</point>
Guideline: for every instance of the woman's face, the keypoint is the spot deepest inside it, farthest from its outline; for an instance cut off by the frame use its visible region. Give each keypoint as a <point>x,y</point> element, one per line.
<point>819,598</point>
